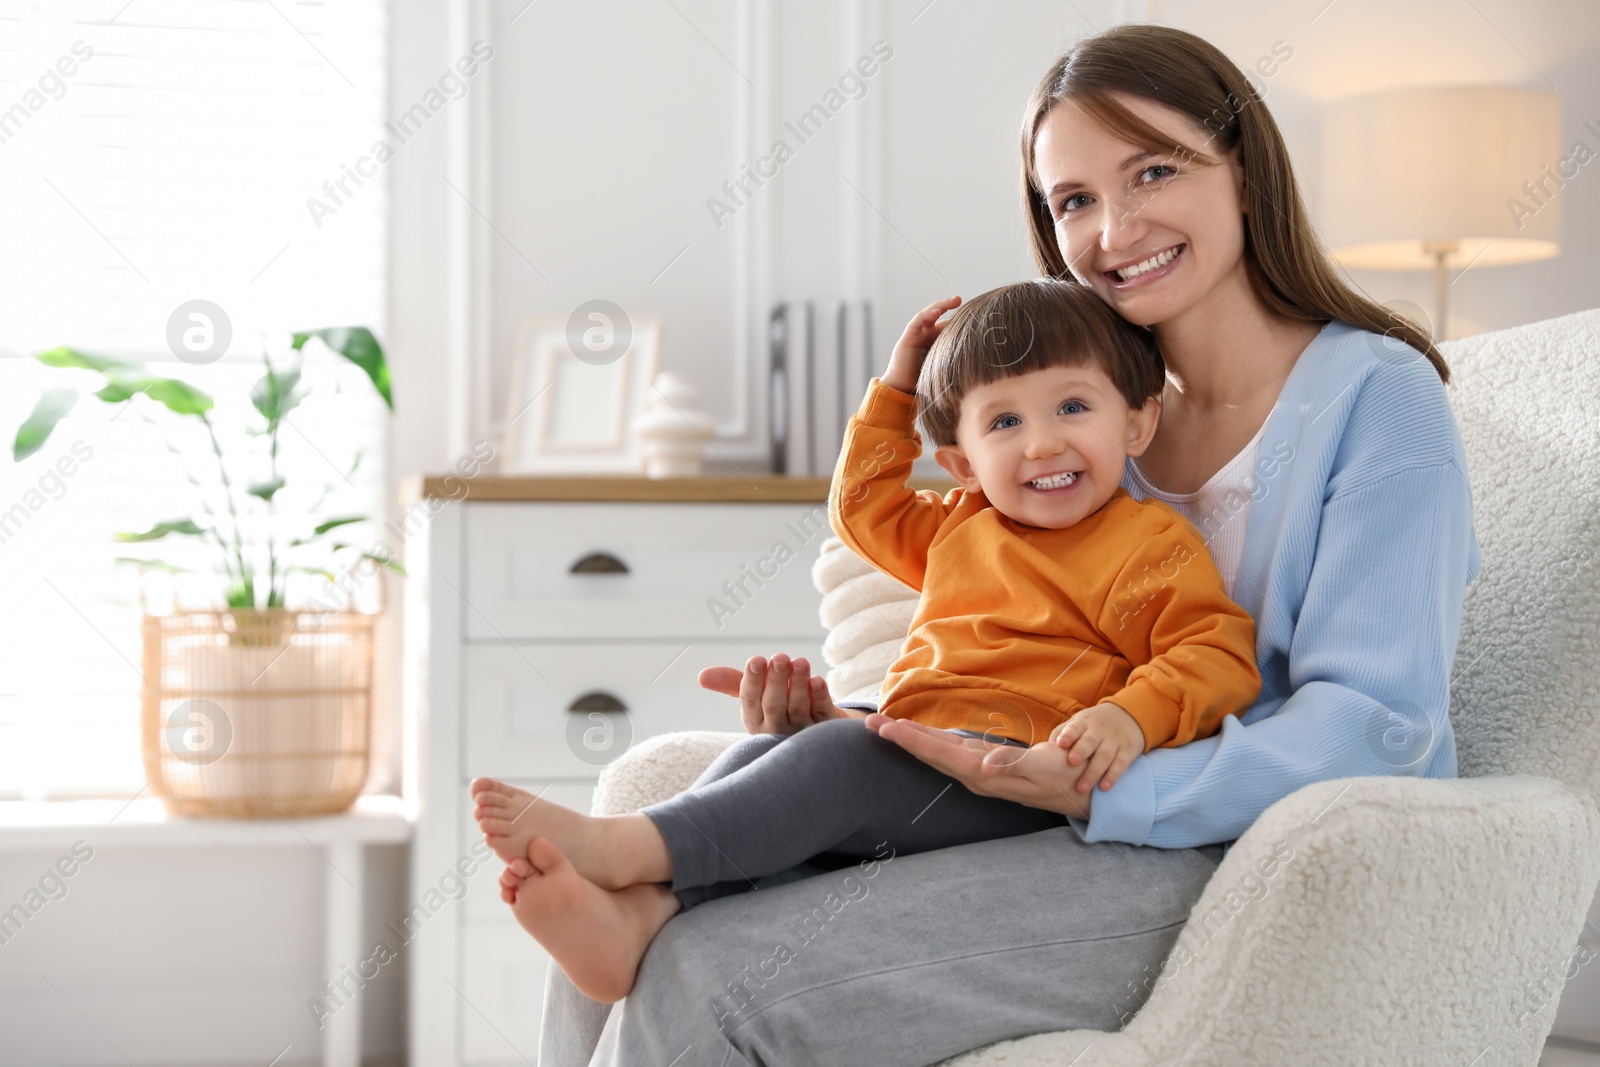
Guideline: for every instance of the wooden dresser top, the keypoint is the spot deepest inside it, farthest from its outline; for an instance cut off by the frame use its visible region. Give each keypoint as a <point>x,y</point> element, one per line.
<point>732,488</point>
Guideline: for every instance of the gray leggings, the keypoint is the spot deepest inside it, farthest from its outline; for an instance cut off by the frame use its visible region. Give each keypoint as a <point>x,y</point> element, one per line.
<point>901,964</point>
<point>833,792</point>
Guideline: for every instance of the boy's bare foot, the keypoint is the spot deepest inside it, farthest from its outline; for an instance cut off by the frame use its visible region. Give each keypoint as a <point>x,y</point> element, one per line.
<point>597,936</point>
<point>510,817</point>
<point>612,851</point>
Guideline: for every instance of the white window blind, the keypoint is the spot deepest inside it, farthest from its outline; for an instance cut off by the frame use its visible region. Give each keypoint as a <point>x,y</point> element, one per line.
<point>153,154</point>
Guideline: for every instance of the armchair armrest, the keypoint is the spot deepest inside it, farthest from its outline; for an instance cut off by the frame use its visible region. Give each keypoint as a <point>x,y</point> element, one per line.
<point>1366,921</point>
<point>657,768</point>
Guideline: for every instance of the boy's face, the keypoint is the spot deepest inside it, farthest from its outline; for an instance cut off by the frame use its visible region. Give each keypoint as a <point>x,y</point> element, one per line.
<point>1058,420</point>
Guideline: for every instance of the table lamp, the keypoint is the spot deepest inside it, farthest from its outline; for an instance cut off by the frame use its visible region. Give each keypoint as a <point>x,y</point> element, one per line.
<point>1442,179</point>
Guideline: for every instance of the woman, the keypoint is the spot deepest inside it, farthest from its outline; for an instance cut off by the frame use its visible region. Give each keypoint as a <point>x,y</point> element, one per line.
<point>1306,433</point>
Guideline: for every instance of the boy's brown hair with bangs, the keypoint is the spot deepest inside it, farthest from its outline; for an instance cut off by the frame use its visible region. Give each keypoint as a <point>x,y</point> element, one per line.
<point>1028,326</point>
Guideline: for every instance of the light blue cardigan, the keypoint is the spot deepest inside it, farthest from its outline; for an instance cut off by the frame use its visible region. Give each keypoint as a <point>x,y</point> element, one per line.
<point>1357,554</point>
<point>1358,550</point>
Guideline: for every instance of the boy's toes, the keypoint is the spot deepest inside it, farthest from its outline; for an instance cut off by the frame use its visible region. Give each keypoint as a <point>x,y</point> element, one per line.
<point>494,825</point>
<point>544,855</point>
<point>490,802</point>
<point>491,825</point>
<point>493,793</point>
<point>520,867</point>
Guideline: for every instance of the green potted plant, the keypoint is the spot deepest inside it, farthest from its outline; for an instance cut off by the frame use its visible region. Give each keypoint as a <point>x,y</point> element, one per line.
<point>252,707</point>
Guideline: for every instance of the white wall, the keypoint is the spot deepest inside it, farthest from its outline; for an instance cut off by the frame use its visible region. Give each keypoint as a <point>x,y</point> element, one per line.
<point>603,157</point>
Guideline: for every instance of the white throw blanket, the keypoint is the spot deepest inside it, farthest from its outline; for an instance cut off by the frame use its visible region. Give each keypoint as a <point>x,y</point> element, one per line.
<point>868,615</point>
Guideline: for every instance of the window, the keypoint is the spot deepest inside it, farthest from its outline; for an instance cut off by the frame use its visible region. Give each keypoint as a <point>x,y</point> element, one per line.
<point>153,154</point>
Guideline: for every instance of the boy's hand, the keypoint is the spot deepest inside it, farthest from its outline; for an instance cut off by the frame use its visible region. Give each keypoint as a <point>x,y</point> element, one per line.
<point>1105,735</point>
<point>906,362</point>
<point>777,696</point>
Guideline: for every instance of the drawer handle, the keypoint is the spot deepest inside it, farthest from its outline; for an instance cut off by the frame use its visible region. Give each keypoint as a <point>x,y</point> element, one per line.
<point>597,700</point>
<point>598,563</point>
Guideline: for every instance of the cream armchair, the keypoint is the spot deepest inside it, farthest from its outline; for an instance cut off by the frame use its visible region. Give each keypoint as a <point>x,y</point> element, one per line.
<point>1420,921</point>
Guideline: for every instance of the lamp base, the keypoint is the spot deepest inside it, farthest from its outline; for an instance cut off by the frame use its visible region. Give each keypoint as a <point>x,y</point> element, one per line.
<point>1440,251</point>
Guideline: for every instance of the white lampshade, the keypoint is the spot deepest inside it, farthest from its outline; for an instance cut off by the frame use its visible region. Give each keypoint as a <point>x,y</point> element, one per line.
<point>1419,178</point>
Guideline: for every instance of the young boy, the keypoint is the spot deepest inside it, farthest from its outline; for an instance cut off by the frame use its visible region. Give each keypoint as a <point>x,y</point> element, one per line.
<point>1055,609</point>
<point>1053,603</point>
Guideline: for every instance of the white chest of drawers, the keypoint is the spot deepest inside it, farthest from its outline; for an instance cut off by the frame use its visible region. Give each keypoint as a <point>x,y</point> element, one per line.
<point>550,624</point>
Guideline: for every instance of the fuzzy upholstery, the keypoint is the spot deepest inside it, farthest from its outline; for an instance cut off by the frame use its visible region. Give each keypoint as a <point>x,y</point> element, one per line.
<point>1403,920</point>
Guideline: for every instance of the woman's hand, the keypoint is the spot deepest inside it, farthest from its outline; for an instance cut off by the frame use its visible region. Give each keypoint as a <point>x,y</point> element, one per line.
<point>773,699</point>
<point>1039,777</point>
<point>905,364</point>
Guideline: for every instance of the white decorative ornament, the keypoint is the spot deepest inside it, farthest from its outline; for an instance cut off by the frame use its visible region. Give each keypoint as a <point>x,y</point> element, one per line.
<point>672,431</point>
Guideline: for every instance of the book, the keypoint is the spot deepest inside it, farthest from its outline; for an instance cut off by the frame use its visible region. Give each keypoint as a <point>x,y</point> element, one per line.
<point>802,418</point>
<point>830,343</point>
<point>821,364</point>
<point>778,386</point>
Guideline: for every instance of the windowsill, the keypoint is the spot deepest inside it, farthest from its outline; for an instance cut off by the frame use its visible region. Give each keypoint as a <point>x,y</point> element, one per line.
<point>143,821</point>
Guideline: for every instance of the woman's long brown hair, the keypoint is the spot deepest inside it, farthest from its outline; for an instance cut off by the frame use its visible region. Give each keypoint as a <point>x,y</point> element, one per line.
<point>1284,258</point>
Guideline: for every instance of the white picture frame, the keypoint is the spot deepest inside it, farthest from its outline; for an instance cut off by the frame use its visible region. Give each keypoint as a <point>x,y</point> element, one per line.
<point>565,415</point>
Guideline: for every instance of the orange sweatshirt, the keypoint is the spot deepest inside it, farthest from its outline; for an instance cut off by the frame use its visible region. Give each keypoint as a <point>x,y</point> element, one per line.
<point>1019,627</point>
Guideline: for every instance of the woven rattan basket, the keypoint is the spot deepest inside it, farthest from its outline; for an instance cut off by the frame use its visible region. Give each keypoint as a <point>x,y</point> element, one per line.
<point>257,714</point>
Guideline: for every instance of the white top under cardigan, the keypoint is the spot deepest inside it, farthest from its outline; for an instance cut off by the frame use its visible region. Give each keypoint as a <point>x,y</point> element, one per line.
<point>1220,509</point>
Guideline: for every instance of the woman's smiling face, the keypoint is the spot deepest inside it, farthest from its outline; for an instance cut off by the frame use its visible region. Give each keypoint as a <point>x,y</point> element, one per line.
<point>1151,233</point>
